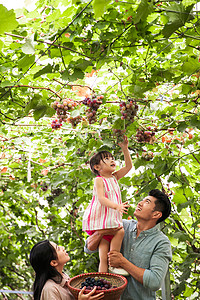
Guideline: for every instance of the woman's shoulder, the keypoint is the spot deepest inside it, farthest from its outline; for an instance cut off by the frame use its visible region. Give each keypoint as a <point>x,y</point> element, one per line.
<point>55,291</point>
<point>50,290</point>
<point>50,285</point>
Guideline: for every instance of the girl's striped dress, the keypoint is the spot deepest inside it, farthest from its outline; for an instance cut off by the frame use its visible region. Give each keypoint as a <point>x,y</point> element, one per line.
<point>97,216</point>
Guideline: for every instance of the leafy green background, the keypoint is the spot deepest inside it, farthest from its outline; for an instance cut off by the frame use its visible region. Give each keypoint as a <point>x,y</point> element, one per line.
<point>144,50</point>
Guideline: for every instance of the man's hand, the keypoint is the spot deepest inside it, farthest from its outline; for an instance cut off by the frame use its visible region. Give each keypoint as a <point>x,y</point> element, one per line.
<point>115,259</point>
<point>94,239</point>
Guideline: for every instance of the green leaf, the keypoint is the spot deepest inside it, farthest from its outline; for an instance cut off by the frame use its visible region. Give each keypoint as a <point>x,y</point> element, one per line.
<point>99,7</point>
<point>32,104</point>
<point>191,66</point>
<point>182,126</point>
<point>82,64</point>
<point>177,16</point>
<point>170,28</point>
<point>144,9</point>
<point>187,3</point>
<point>8,20</point>
<point>179,196</point>
<point>26,61</point>
<point>1,44</point>
<point>39,112</point>
<point>28,47</point>
<point>195,122</point>
<point>45,70</point>
<point>77,74</point>
<point>148,187</point>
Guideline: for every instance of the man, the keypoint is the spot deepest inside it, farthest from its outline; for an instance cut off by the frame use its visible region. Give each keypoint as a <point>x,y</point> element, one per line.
<point>145,252</point>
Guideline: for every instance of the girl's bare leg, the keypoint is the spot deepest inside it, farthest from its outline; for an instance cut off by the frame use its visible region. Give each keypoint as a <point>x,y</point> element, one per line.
<point>116,245</point>
<point>117,240</point>
<point>103,255</point>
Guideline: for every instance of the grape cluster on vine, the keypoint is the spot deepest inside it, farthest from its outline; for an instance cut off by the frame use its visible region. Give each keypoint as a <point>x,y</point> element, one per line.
<point>119,135</point>
<point>62,109</point>
<point>147,155</point>
<point>54,193</point>
<point>55,124</point>
<point>128,110</point>
<point>93,104</point>
<point>144,136</point>
<point>74,120</point>
<point>44,186</point>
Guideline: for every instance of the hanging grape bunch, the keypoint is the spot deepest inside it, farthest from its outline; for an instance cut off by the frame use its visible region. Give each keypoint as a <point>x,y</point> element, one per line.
<point>119,135</point>
<point>62,109</point>
<point>128,110</point>
<point>55,124</point>
<point>144,136</point>
<point>43,186</point>
<point>74,120</point>
<point>93,104</point>
<point>147,155</point>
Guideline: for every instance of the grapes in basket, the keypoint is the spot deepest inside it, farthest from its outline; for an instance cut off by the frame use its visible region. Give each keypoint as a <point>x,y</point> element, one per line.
<point>100,283</point>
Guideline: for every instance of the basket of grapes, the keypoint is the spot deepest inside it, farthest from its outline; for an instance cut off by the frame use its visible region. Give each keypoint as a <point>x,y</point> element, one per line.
<point>112,285</point>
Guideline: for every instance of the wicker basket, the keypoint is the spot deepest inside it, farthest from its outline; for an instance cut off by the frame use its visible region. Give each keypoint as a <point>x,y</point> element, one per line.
<point>74,285</point>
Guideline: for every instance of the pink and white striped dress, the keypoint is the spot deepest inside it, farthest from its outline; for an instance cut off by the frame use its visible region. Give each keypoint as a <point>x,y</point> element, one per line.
<point>96,215</point>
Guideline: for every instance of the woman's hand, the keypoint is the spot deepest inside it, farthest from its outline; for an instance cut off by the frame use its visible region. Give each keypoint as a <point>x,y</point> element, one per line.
<point>89,296</point>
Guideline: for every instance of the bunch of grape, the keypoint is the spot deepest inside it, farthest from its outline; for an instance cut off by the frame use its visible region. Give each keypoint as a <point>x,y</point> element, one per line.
<point>63,108</point>
<point>100,283</point>
<point>74,121</point>
<point>119,134</point>
<point>93,104</point>
<point>128,110</point>
<point>147,155</point>
<point>56,124</point>
<point>56,192</point>
<point>44,186</point>
<point>145,136</point>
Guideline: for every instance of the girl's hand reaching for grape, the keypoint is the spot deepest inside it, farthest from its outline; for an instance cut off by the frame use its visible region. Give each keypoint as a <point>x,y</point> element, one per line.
<point>123,208</point>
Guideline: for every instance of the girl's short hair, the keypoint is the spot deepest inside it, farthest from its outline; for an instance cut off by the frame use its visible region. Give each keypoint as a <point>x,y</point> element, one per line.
<point>96,158</point>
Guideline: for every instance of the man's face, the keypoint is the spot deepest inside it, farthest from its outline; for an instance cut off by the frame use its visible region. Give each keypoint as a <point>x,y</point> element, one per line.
<point>145,208</point>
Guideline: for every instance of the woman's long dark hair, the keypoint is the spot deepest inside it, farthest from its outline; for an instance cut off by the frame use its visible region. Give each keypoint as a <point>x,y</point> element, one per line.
<point>41,255</point>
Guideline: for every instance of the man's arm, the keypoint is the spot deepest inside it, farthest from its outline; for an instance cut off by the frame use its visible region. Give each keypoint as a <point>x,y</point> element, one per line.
<point>152,277</point>
<point>94,239</point>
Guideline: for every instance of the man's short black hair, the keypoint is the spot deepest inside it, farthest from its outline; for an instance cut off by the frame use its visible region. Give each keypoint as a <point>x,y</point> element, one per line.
<point>96,158</point>
<point>162,204</point>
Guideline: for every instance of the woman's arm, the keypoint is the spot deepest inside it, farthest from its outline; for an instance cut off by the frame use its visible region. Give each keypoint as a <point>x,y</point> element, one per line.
<point>122,208</point>
<point>128,162</point>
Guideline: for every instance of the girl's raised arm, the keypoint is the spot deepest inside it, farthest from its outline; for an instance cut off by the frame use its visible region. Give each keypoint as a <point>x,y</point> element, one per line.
<point>128,161</point>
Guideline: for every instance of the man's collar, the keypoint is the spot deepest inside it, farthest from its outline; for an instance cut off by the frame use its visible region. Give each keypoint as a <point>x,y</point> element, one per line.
<point>148,231</point>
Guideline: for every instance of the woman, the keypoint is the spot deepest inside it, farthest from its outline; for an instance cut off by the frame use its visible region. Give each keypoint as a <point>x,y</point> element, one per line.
<point>48,260</point>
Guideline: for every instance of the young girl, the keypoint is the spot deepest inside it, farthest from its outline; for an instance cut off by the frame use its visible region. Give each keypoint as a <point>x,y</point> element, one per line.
<point>106,208</point>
